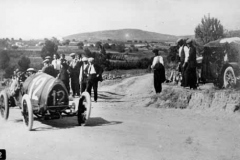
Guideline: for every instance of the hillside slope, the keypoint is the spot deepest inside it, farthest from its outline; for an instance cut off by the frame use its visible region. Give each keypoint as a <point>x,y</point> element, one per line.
<point>122,34</point>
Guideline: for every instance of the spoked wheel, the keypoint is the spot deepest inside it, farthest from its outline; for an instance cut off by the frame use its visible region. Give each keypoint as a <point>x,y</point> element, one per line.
<point>4,107</point>
<point>84,108</point>
<point>229,78</point>
<point>27,112</point>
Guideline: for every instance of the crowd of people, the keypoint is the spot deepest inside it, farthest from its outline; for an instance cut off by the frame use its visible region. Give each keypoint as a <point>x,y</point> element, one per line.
<point>186,69</point>
<point>78,75</point>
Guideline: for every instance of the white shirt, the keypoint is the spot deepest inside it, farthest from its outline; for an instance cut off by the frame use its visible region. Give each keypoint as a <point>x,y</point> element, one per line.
<point>157,59</point>
<point>186,51</point>
<point>91,69</point>
<point>83,67</point>
<point>56,64</point>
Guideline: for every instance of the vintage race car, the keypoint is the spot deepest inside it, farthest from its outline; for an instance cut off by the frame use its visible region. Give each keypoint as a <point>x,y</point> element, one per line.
<point>221,62</point>
<point>46,97</point>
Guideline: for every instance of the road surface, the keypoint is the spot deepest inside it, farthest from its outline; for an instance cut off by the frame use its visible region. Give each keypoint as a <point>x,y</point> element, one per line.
<point>121,127</point>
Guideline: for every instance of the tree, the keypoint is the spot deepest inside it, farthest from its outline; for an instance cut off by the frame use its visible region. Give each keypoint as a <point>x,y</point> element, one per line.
<point>8,72</point>
<point>80,45</point>
<point>66,42</point>
<point>4,60</point>
<point>49,48</point>
<point>97,44</point>
<point>24,63</point>
<point>210,29</point>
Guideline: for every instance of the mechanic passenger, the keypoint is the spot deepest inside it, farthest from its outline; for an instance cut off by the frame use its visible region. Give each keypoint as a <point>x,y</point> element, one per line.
<point>47,68</point>
<point>30,71</point>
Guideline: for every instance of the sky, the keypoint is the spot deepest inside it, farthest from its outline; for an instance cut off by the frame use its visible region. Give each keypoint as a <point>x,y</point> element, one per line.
<point>37,19</point>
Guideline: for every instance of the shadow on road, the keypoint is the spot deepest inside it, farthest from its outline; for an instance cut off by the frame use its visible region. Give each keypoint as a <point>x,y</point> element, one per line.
<point>68,122</point>
<point>98,121</point>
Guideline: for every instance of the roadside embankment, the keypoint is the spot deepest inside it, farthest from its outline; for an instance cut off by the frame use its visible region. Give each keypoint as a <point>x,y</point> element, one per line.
<point>207,99</point>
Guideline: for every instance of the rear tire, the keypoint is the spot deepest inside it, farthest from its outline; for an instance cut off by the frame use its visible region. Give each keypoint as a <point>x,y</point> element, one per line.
<point>27,112</point>
<point>84,108</point>
<point>4,106</point>
<point>229,78</point>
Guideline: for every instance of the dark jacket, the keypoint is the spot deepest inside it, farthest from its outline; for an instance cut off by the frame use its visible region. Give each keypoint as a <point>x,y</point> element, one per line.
<point>49,70</point>
<point>74,67</point>
<point>192,62</point>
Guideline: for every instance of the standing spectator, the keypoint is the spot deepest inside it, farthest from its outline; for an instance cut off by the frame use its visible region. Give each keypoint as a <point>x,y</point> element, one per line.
<point>56,64</point>
<point>158,71</point>
<point>183,58</point>
<point>191,74</point>
<point>74,68</point>
<point>64,76</point>
<point>47,68</point>
<point>95,72</point>
<point>62,59</point>
<point>83,74</point>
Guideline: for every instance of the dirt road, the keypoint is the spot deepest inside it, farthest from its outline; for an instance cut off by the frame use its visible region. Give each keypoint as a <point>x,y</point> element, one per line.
<point>122,128</point>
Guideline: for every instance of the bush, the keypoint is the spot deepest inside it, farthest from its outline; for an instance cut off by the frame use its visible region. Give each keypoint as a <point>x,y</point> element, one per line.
<point>9,72</point>
<point>49,49</point>
<point>24,63</point>
<point>4,60</point>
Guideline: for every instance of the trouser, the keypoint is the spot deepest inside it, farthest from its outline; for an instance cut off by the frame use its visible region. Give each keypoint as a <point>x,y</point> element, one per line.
<point>66,83</point>
<point>191,77</point>
<point>183,72</point>
<point>93,83</point>
<point>75,84</point>
<point>157,81</point>
<point>83,86</point>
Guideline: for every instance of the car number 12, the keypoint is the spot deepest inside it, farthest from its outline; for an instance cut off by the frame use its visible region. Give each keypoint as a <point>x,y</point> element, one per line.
<point>39,82</point>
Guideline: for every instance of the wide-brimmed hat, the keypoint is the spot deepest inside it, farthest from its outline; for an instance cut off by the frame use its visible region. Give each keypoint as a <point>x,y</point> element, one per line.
<point>84,59</point>
<point>30,70</point>
<point>189,41</point>
<point>90,59</point>
<point>46,61</point>
<point>72,54</point>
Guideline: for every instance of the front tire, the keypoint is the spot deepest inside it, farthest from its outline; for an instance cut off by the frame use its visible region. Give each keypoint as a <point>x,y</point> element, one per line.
<point>27,112</point>
<point>229,78</point>
<point>4,106</point>
<point>84,108</point>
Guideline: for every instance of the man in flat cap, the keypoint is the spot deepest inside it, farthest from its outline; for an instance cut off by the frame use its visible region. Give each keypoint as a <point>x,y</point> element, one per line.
<point>158,71</point>
<point>191,73</point>
<point>74,68</point>
<point>83,76</point>
<point>94,75</point>
<point>47,68</point>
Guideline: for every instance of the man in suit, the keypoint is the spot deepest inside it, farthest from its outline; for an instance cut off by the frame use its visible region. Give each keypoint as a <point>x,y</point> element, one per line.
<point>191,74</point>
<point>74,68</point>
<point>94,74</point>
<point>83,74</point>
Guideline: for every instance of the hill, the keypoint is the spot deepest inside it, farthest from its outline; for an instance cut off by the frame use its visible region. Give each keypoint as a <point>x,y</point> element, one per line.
<point>123,35</point>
